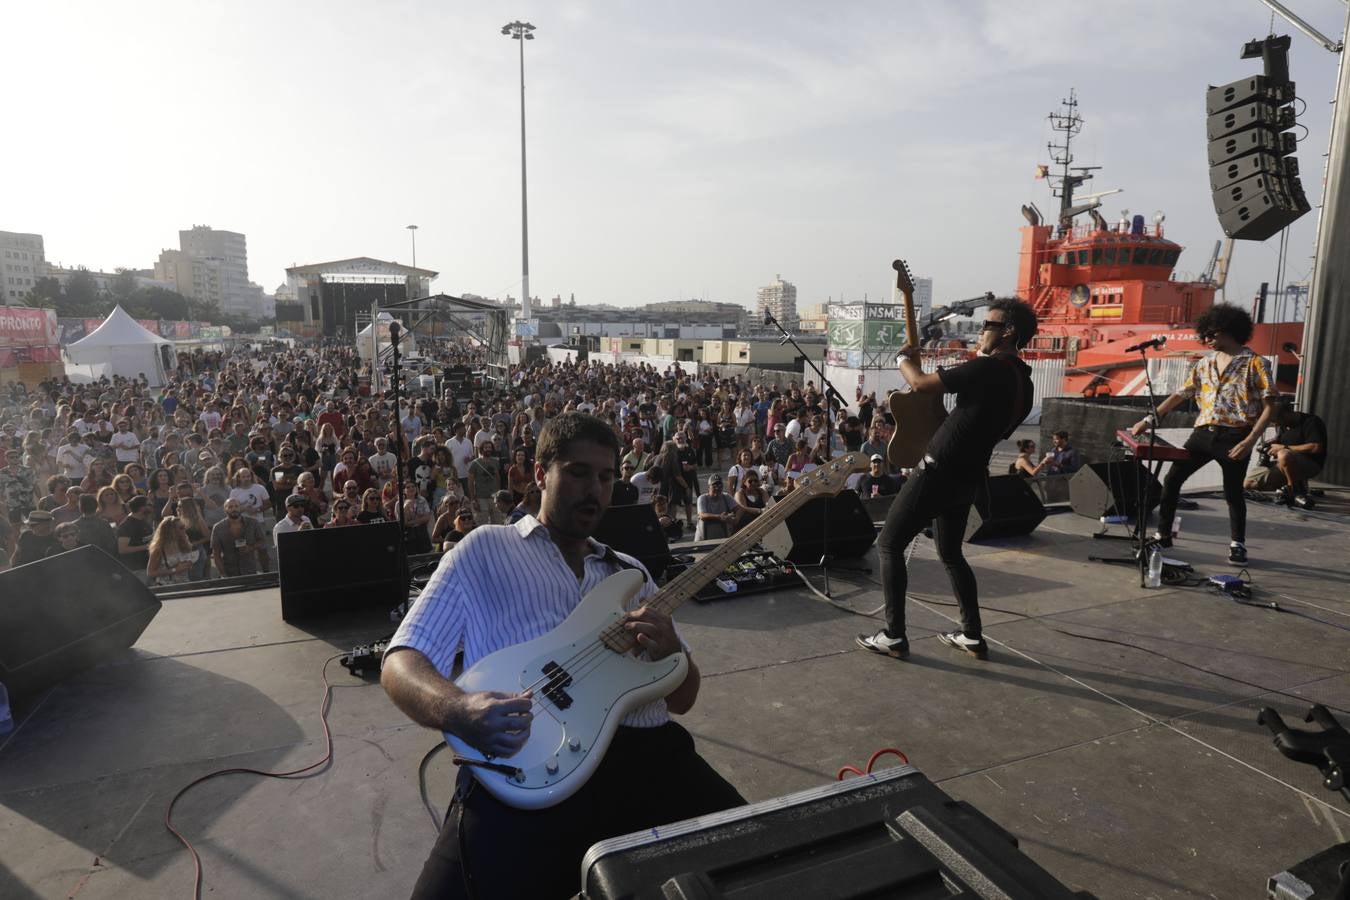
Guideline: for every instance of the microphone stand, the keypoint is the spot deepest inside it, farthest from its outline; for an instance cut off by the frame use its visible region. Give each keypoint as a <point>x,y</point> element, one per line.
<point>830,394</point>
<point>1141,511</point>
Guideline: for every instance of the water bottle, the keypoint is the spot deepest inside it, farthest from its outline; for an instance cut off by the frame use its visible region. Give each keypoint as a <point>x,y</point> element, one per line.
<point>1155,564</point>
<point>6,717</point>
<point>1176,527</point>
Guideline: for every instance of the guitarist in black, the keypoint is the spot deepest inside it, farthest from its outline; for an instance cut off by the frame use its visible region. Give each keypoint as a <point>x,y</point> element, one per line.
<point>993,396</point>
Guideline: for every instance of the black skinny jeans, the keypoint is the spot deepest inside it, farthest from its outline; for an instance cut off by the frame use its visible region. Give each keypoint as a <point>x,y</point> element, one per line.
<point>1206,445</point>
<point>649,777</point>
<point>929,495</point>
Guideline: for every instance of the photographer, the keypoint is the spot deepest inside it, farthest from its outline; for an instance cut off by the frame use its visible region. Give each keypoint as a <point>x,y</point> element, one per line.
<point>1297,454</point>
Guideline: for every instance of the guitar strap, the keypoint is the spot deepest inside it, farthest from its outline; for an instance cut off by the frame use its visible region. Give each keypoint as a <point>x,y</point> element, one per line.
<point>613,559</point>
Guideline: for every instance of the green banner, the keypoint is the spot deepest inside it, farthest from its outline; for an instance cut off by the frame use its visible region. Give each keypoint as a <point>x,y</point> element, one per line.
<point>883,335</point>
<point>846,334</point>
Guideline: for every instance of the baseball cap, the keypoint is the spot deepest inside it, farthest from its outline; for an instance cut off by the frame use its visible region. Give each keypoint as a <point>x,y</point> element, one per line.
<point>877,457</point>
<point>715,479</point>
<point>296,500</point>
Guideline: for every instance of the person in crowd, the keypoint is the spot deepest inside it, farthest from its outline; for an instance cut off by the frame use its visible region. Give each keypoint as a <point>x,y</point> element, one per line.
<point>639,456</point>
<point>284,476</point>
<point>251,496</point>
<point>446,511</point>
<point>214,493</point>
<point>717,512</point>
<point>36,541</point>
<point>1235,392</point>
<point>625,493</point>
<point>800,457</point>
<point>416,519</point>
<point>578,455</point>
<point>72,457</point>
<point>295,506</point>
<point>134,534</point>
<point>238,543</point>
<point>112,509</point>
<point>483,482</point>
<point>673,528</point>
<point>751,499</point>
<point>503,505</point>
<point>520,476</point>
<point>994,394</point>
<point>1062,459</point>
<point>92,529</point>
<point>744,463</point>
<point>70,511</point>
<point>1297,454</point>
<point>161,490</point>
<point>463,524</point>
<point>57,485</point>
<point>528,505</point>
<point>1025,464</point>
<point>875,445</point>
<point>649,482</point>
<point>372,510</point>
<point>190,513</point>
<point>382,463</point>
<point>67,535</point>
<point>342,514</point>
<point>171,555</point>
<point>876,481</point>
<point>316,502</point>
<point>126,445</point>
<point>461,454</point>
<point>16,486</point>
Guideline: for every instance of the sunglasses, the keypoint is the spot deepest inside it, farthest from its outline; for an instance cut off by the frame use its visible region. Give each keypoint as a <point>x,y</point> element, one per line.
<point>991,325</point>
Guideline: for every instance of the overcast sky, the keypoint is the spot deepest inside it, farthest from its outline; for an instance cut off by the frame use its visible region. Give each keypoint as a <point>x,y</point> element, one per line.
<point>689,149</point>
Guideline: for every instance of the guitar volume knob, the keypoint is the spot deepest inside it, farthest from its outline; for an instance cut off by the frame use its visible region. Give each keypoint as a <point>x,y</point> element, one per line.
<point>574,744</point>
<point>551,767</point>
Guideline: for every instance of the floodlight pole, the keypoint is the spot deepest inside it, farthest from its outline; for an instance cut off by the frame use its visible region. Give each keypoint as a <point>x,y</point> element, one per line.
<point>522,32</point>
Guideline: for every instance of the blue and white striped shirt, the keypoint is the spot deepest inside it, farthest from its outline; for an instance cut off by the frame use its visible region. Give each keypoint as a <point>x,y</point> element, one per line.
<point>503,585</point>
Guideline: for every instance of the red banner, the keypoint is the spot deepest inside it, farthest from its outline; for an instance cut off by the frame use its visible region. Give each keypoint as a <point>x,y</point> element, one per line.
<point>21,326</point>
<point>150,325</point>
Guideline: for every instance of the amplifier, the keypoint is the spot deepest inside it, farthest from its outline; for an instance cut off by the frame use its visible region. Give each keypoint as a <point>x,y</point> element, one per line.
<point>890,834</point>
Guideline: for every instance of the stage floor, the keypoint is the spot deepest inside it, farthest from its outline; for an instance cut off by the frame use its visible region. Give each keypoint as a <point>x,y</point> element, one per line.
<point>1120,771</point>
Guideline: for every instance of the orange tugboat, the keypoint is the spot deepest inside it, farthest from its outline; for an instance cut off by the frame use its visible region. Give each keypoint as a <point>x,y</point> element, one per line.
<point>1099,288</point>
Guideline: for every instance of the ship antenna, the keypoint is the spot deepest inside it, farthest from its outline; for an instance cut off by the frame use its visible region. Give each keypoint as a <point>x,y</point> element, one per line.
<point>1068,123</point>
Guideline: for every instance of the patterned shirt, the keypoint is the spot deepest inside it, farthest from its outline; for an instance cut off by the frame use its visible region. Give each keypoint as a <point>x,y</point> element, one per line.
<point>504,585</point>
<point>1233,397</point>
<point>16,489</point>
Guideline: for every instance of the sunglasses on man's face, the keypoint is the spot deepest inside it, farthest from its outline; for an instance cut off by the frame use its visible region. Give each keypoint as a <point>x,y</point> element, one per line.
<point>993,325</point>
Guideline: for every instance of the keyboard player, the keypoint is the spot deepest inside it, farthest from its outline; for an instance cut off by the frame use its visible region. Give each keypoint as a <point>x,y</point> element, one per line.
<point>1236,395</point>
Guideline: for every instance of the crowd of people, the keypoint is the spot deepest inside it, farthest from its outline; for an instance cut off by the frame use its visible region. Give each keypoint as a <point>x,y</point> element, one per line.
<point>197,479</point>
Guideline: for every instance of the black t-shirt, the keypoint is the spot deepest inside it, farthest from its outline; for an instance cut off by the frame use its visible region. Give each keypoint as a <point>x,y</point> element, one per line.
<point>623,493</point>
<point>987,410</point>
<point>140,532</point>
<point>1309,429</point>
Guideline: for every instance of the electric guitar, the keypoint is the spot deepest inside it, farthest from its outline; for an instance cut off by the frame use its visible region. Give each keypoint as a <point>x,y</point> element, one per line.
<point>585,675</point>
<point>917,416</point>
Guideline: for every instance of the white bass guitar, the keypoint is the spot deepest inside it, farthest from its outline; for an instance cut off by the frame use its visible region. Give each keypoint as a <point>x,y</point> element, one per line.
<point>585,674</point>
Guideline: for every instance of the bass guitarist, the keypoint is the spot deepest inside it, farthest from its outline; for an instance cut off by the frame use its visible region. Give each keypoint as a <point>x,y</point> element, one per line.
<point>506,584</point>
<point>993,396</point>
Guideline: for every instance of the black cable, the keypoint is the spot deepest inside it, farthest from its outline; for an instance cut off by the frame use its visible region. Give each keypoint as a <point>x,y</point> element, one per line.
<point>436,821</point>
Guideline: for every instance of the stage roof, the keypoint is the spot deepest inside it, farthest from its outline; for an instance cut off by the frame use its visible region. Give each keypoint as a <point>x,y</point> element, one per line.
<point>358,264</point>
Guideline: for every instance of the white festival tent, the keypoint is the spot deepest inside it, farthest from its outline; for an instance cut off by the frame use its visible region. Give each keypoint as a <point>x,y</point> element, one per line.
<point>407,346</point>
<point>120,346</point>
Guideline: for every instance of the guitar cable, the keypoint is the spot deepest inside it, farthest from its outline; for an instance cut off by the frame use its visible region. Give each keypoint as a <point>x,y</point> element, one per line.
<point>303,772</point>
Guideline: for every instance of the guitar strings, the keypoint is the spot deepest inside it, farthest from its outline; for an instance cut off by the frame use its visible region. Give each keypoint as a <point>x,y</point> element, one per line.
<point>591,657</point>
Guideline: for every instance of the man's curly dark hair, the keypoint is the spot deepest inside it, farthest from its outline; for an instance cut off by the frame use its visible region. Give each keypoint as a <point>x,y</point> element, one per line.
<point>1022,317</point>
<point>1225,318</point>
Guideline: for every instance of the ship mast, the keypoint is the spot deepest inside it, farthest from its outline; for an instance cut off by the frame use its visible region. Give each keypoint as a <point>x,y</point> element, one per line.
<point>1067,122</point>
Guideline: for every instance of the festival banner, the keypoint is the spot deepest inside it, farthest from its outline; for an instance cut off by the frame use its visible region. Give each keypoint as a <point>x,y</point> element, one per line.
<point>150,325</point>
<point>22,326</point>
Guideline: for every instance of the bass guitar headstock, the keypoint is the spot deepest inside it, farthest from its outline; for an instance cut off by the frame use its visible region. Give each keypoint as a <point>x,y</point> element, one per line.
<point>829,478</point>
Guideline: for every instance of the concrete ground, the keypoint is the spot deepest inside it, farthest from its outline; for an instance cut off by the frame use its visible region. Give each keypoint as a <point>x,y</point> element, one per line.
<point>1130,769</point>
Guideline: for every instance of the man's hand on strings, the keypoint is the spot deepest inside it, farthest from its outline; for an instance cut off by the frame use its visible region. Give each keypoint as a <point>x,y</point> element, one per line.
<point>654,632</point>
<point>497,723</point>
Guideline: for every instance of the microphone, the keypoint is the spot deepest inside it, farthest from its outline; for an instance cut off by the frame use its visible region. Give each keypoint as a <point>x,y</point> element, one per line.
<point>393,329</point>
<point>1147,345</point>
<point>1289,347</point>
<point>768,317</point>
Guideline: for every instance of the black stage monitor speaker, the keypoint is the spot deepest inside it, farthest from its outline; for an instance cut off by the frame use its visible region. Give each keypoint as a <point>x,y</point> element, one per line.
<point>1111,489</point>
<point>1004,506</point>
<point>892,834</point>
<point>326,570</point>
<point>634,529</point>
<point>801,538</point>
<point>65,613</point>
